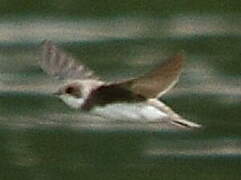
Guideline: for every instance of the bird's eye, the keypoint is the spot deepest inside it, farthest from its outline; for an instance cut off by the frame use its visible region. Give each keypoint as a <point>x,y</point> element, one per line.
<point>69,90</point>
<point>73,91</point>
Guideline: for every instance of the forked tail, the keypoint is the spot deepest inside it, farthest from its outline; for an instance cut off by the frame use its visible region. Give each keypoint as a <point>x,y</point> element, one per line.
<point>174,118</point>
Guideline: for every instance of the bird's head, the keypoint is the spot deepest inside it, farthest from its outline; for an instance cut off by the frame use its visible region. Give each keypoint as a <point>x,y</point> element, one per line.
<point>76,92</point>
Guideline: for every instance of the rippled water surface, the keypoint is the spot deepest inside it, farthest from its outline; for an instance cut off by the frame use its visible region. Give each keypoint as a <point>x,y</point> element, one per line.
<point>44,139</point>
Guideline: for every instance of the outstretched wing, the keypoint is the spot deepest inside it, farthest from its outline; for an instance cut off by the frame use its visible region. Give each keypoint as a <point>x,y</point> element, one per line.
<point>157,82</point>
<point>57,63</point>
<point>148,86</point>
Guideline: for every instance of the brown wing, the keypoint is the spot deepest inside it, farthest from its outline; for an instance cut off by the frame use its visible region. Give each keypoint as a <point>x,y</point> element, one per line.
<point>157,82</point>
<point>107,94</point>
<point>150,85</point>
<point>57,63</point>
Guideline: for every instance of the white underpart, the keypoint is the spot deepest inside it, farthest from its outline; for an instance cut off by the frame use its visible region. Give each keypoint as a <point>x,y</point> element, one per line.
<point>72,101</point>
<point>150,111</point>
<point>127,111</point>
<point>119,111</point>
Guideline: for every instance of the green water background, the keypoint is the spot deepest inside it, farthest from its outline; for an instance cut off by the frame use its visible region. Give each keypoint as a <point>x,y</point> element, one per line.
<point>42,139</point>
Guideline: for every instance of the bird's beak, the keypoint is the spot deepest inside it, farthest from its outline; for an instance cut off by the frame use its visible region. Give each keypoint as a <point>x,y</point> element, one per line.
<point>57,93</point>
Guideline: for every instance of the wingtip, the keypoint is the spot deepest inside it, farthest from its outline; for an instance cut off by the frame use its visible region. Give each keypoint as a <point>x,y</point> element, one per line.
<point>176,60</point>
<point>174,64</point>
<point>180,56</point>
<point>47,48</point>
<point>47,43</point>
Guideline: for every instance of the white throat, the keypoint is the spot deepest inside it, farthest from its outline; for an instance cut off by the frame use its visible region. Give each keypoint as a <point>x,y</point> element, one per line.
<point>72,101</point>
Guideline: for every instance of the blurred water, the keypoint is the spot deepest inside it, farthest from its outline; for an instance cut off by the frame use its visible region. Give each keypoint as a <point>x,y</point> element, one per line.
<point>43,139</point>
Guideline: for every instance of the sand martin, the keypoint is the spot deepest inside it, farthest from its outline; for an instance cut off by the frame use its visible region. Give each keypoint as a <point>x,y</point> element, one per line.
<point>134,99</point>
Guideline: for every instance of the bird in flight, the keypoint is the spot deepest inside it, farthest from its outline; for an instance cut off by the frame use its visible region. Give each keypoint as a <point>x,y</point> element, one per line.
<point>135,98</point>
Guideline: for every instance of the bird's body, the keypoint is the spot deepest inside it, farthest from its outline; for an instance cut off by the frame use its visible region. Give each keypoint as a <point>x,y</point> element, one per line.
<point>135,99</point>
